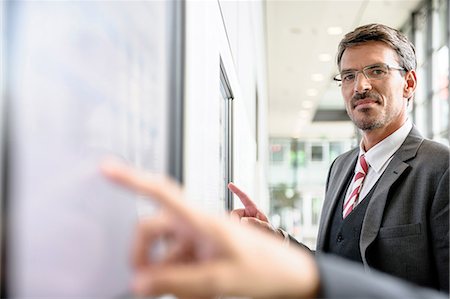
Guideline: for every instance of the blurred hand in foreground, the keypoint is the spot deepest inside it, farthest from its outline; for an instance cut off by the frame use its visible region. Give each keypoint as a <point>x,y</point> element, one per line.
<point>205,256</point>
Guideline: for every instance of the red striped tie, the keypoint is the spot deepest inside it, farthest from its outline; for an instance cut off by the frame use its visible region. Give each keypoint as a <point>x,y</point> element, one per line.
<point>361,171</point>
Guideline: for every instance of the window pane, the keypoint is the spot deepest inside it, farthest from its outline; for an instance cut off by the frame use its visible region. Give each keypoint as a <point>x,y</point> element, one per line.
<point>440,112</point>
<point>420,118</point>
<point>316,206</point>
<point>441,63</point>
<point>421,94</point>
<point>442,14</point>
<point>316,153</point>
<point>420,36</point>
<point>407,30</point>
<point>443,138</point>
<point>335,150</point>
<point>276,152</point>
<point>301,159</point>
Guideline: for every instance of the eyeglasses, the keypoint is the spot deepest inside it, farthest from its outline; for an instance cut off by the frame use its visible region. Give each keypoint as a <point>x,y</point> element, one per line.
<point>375,72</point>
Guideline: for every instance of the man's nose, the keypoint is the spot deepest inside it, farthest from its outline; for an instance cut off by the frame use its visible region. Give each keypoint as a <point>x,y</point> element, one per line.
<point>362,83</point>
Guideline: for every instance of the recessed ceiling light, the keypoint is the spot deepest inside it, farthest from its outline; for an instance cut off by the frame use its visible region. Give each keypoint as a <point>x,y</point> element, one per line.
<point>317,77</point>
<point>296,30</point>
<point>324,57</point>
<point>312,92</point>
<point>334,30</point>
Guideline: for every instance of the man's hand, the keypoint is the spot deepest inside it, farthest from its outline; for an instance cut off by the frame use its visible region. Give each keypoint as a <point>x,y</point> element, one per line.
<point>250,213</point>
<point>205,256</point>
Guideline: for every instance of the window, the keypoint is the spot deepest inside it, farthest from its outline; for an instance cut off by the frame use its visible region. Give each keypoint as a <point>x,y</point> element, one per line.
<point>276,152</point>
<point>317,153</point>
<point>429,27</point>
<point>226,149</point>
<point>316,208</point>
<point>335,150</point>
<point>440,97</point>
<point>442,22</point>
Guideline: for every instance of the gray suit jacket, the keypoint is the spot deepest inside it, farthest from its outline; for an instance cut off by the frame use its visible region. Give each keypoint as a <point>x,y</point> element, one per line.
<point>345,279</point>
<point>405,231</point>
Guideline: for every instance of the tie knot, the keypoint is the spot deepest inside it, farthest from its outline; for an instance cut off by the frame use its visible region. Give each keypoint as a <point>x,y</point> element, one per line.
<point>363,164</point>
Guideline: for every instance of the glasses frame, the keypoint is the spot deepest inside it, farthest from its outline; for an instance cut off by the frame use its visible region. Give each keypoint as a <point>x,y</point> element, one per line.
<point>338,77</point>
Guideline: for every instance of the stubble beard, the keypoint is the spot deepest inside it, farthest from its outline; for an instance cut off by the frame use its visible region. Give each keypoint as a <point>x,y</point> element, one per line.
<point>367,122</point>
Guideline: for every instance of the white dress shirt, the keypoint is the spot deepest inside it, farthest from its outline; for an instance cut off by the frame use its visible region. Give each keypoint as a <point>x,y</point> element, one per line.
<point>378,158</point>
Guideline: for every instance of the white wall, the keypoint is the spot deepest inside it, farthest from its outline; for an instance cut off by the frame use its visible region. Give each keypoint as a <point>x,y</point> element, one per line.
<point>234,32</point>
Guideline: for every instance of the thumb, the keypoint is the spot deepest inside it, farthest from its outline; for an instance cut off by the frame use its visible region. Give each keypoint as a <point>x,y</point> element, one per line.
<point>262,217</point>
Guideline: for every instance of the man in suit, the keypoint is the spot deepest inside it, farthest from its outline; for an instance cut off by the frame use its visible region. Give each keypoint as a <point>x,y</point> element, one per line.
<point>386,202</point>
<point>209,257</point>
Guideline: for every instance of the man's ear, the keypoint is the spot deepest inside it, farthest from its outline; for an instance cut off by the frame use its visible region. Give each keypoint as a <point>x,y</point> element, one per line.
<point>410,84</point>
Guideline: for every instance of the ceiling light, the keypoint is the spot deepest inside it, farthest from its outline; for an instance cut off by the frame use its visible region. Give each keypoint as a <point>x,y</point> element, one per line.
<point>312,92</point>
<point>296,30</point>
<point>317,77</point>
<point>334,30</point>
<point>324,57</point>
<point>301,123</point>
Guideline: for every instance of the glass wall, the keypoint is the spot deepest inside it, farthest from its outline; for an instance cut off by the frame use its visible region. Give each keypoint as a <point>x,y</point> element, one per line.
<point>298,173</point>
<point>428,27</point>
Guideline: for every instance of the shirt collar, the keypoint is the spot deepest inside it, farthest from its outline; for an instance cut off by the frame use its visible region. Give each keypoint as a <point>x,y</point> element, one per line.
<point>378,155</point>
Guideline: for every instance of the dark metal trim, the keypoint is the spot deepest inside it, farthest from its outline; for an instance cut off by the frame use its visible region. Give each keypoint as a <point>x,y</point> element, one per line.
<point>227,94</point>
<point>176,91</point>
<point>4,157</point>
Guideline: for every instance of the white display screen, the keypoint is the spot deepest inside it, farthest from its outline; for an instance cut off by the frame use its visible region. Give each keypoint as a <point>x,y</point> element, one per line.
<point>85,80</point>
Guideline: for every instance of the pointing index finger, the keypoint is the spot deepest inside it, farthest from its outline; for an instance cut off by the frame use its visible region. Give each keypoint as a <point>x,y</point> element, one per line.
<point>163,190</point>
<point>246,201</point>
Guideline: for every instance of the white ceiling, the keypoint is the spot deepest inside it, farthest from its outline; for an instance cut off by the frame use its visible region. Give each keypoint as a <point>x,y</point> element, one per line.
<point>301,58</point>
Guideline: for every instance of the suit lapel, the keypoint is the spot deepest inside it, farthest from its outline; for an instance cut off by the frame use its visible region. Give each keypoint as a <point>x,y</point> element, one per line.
<point>375,209</point>
<point>339,176</point>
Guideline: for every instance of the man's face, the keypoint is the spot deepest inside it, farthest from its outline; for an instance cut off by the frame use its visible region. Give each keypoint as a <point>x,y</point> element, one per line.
<point>374,103</point>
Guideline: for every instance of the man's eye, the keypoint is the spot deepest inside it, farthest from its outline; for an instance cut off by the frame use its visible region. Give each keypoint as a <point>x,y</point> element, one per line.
<point>377,72</point>
<point>348,77</point>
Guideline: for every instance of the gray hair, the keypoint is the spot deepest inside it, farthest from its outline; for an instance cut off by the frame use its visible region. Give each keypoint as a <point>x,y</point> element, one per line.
<point>382,33</point>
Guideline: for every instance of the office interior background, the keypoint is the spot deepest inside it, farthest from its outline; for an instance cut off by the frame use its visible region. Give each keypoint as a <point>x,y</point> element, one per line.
<point>206,91</point>
<point>308,125</point>
<point>283,55</point>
